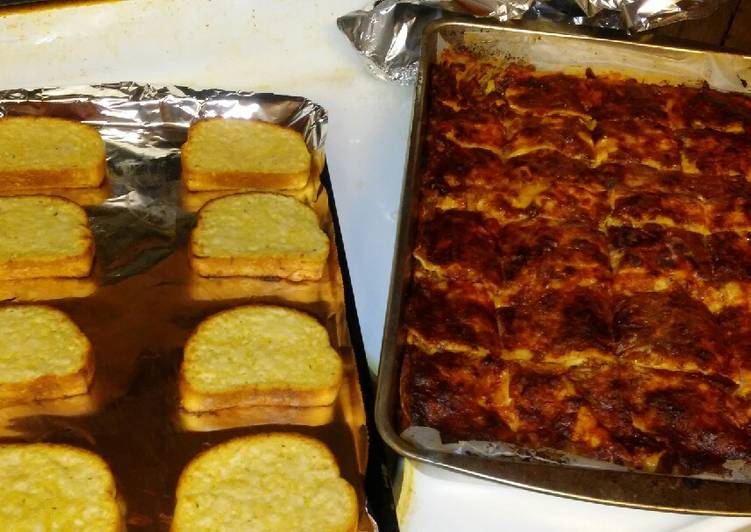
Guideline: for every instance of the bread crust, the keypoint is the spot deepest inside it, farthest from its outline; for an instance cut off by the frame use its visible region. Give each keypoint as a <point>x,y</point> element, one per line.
<point>74,178</point>
<point>46,289</point>
<point>193,400</point>
<point>76,266</point>
<point>352,502</point>
<point>46,178</point>
<point>203,288</point>
<point>202,181</point>
<point>52,266</point>
<point>52,386</point>
<point>229,418</point>
<point>193,201</point>
<point>291,267</point>
<point>82,196</point>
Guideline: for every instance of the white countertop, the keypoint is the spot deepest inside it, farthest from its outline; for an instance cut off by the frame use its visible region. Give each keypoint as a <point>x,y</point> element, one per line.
<point>294,47</point>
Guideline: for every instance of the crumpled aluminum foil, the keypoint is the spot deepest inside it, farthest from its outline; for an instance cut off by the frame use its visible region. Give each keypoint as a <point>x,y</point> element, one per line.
<point>388,32</point>
<point>143,127</point>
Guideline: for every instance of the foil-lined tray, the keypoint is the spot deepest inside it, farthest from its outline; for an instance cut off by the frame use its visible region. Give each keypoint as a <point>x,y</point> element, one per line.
<point>142,301</point>
<point>388,32</point>
<point>544,470</point>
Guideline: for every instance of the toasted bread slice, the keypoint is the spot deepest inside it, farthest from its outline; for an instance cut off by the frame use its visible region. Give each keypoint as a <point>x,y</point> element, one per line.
<point>265,483</point>
<point>248,416</point>
<point>43,355</point>
<point>258,235</point>
<point>193,201</point>
<point>229,153</point>
<point>259,355</point>
<point>82,196</point>
<point>44,236</point>
<point>56,487</point>
<point>43,152</point>
<point>46,289</point>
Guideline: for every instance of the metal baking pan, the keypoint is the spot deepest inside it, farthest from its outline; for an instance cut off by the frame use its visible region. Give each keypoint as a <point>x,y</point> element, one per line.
<point>142,301</point>
<point>552,51</point>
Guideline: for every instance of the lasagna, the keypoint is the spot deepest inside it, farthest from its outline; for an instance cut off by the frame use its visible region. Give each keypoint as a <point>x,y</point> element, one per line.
<point>582,267</point>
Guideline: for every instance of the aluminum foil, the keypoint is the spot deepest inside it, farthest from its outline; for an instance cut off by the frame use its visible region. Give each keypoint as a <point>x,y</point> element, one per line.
<point>388,32</point>
<point>142,300</point>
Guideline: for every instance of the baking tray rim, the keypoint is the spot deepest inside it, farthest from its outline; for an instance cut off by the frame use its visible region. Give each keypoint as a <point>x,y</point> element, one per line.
<point>387,390</point>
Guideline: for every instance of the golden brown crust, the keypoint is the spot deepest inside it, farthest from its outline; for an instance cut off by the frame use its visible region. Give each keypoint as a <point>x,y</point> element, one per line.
<point>78,266</point>
<point>194,201</point>
<point>19,181</point>
<point>50,386</point>
<point>46,288</point>
<point>223,288</point>
<point>198,181</point>
<point>195,401</point>
<point>81,196</point>
<point>292,268</point>
<point>247,416</point>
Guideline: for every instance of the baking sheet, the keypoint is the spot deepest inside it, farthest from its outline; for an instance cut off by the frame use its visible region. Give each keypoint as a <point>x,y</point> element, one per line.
<point>142,300</point>
<point>550,472</point>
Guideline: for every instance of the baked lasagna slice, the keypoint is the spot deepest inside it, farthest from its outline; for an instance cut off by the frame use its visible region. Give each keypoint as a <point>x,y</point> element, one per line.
<point>731,268</point>
<point>625,99</point>
<point>634,141</point>
<point>470,129</point>
<point>450,315</point>
<point>641,195</point>
<point>457,178</point>
<point>568,327</point>
<point>712,152</point>
<point>580,410</point>
<point>735,327</point>
<point>544,94</point>
<point>569,135</point>
<point>535,406</point>
<point>727,203</point>
<point>652,258</point>
<point>460,245</point>
<point>544,253</point>
<point>696,419</point>
<point>709,109</point>
<point>455,393</point>
<point>461,81</point>
<point>670,331</point>
<point>542,183</point>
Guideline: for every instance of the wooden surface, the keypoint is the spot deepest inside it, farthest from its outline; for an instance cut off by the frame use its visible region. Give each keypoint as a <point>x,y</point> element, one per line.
<point>729,26</point>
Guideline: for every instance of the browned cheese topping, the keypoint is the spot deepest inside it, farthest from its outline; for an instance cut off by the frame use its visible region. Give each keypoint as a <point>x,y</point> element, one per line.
<point>582,267</point>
